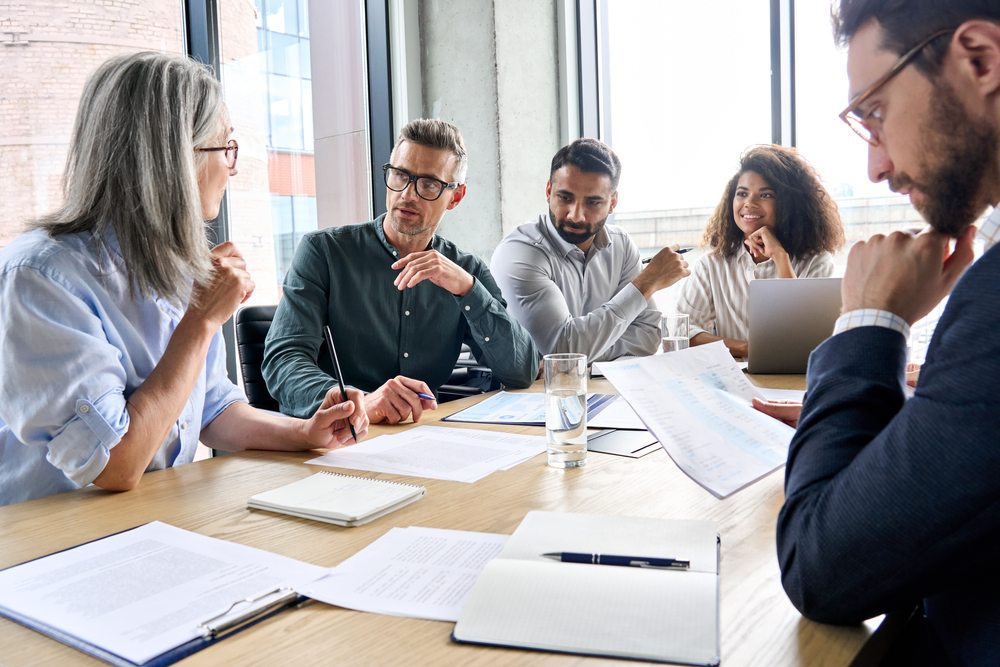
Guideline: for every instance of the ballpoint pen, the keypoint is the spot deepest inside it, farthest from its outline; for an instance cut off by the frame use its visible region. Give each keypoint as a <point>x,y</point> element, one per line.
<point>680,251</point>
<point>340,376</point>
<point>625,561</point>
<point>426,397</point>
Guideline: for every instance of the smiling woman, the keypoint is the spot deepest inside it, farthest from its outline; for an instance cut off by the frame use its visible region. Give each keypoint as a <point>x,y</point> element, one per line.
<point>775,220</point>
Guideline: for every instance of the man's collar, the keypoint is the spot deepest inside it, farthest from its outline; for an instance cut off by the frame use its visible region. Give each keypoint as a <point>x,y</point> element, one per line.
<point>393,250</point>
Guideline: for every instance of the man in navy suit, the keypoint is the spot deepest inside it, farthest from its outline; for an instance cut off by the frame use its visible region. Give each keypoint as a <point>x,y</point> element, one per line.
<point>894,504</point>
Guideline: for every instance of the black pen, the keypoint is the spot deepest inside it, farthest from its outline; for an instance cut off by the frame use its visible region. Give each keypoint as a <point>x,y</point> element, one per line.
<point>625,561</point>
<point>680,251</point>
<point>340,376</point>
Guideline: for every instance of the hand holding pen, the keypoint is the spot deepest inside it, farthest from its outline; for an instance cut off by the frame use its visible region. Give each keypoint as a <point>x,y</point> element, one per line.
<point>340,376</point>
<point>661,271</point>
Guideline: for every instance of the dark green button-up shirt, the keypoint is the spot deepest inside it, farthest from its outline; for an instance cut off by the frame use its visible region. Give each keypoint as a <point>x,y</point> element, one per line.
<point>341,276</point>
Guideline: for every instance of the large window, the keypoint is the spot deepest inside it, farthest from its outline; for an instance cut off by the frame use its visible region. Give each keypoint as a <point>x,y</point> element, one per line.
<point>690,90</point>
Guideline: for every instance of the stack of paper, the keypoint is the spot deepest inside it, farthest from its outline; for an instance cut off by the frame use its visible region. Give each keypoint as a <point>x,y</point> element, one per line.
<point>416,572</point>
<point>436,452</point>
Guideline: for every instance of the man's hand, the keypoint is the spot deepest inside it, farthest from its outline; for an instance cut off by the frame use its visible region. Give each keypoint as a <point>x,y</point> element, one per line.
<point>228,287</point>
<point>786,411</point>
<point>328,427</point>
<point>904,274</point>
<point>397,399</point>
<point>664,269</point>
<point>912,374</point>
<point>435,267</point>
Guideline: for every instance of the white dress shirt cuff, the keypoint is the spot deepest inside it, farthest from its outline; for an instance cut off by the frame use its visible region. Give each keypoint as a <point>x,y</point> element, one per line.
<point>870,317</point>
<point>631,301</point>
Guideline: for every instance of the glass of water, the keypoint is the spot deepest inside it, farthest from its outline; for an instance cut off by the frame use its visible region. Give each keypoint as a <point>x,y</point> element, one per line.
<point>674,331</point>
<point>566,409</point>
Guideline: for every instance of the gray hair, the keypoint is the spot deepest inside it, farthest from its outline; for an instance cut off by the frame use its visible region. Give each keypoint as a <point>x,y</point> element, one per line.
<point>438,134</point>
<point>132,168</point>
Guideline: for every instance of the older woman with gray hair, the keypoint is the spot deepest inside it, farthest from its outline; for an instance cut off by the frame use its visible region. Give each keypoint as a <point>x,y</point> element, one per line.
<point>111,357</point>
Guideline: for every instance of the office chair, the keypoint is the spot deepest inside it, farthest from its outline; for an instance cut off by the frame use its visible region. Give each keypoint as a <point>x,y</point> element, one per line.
<point>252,324</point>
<point>468,378</point>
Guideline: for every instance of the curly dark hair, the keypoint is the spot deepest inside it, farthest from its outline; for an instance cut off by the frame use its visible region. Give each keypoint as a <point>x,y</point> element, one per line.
<point>808,221</point>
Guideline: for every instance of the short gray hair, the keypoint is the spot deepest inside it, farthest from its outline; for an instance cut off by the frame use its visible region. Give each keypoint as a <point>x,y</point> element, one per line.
<point>438,134</point>
<point>132,168</point>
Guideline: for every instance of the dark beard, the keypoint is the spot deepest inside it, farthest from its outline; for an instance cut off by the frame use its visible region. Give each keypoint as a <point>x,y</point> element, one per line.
<point>960,153</point>
<point>571,237</point>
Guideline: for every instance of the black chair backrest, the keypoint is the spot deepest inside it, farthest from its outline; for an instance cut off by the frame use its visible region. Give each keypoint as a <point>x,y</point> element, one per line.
<point>252,324</point>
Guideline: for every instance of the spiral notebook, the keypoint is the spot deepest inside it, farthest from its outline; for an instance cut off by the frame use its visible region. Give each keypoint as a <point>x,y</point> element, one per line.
<point>345,500</point>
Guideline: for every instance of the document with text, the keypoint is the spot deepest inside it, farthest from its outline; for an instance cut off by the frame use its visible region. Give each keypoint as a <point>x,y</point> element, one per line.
<point>697,402</point>
<point>136,596</point>
<point>416,572</point>
<point>437,452</point>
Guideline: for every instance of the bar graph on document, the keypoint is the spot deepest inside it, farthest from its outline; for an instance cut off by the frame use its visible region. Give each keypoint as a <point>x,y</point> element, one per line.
<point>697,402</point>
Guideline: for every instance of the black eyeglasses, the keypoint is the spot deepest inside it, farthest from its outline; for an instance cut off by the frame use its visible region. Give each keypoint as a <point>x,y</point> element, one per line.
<point>232,148</point>
<point>428,188</point>
<point>851,116</point>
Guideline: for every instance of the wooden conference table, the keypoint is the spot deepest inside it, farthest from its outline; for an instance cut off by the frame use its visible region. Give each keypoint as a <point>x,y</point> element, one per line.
<point>759,625</point>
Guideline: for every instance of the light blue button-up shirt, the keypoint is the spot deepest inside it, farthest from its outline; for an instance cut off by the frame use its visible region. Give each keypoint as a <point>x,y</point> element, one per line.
<point>73,347</point>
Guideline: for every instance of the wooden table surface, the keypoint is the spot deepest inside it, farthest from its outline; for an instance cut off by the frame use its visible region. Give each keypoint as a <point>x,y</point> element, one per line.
<point>759,625</point>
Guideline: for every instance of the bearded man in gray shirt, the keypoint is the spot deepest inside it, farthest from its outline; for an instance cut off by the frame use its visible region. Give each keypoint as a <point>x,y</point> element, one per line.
<point>574,284</point>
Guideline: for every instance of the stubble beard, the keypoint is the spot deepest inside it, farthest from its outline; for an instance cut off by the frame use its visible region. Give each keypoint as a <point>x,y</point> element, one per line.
<point>416,228</point>
<point>960,153</point>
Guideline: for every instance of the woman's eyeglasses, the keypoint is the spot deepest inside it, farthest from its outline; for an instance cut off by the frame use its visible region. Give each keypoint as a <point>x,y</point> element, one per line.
<point>232,148</point>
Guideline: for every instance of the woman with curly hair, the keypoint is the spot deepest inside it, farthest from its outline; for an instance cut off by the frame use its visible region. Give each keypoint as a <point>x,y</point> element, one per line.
<point>775,220</point>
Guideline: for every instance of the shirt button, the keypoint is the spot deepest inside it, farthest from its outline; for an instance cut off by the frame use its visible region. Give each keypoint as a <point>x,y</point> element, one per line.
<point>184,424</point>
<point>407,313</point>
<point>84,409</point>
<point>468,308</point>
<point>487,339</point>
<point>406,354</point>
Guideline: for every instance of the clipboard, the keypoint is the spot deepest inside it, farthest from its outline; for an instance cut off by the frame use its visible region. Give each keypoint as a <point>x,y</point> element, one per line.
<point>215,628</point>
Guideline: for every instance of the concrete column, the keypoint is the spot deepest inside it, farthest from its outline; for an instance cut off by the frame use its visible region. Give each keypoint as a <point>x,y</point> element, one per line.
<point>490,67</point>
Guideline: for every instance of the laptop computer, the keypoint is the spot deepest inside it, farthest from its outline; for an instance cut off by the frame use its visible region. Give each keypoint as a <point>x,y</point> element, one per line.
<point>788,320</point>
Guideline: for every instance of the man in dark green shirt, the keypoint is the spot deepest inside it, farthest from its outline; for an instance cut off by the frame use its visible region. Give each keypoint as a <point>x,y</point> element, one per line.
<point>399,299</point>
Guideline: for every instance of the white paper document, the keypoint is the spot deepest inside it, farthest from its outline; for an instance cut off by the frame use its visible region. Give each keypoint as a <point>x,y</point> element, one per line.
<point>143,592</point>
<point>617,414</point>
<point>698,405</point>
<point>437,452</point>
<point>524,409</point>
<point>416,572</point>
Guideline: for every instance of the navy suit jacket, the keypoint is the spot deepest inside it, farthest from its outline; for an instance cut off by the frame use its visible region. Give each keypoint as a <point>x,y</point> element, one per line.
<point>892,501</point>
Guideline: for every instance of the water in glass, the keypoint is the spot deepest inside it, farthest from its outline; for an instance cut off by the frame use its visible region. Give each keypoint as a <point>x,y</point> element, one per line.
<point>566,427</point>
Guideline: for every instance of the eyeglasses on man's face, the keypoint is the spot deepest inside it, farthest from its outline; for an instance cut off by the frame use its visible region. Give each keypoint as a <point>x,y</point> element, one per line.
<point>868,125</point>
<point>232,148</point>
<point>428,188</point>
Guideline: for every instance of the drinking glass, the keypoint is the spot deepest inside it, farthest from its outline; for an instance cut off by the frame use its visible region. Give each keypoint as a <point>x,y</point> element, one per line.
<point>566,409</point>
<point>674,331</point>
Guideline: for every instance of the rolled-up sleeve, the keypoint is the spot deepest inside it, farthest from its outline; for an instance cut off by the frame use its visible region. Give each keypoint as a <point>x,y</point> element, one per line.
<point>62,383</point>
<point>220,392</point>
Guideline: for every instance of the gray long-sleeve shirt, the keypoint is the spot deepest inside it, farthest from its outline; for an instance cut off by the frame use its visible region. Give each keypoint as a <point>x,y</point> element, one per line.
<point>341,276</point>
<point>571,302</point>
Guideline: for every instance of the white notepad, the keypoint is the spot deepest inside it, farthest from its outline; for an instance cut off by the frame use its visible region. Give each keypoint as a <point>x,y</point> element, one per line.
<point>524,600</point>
<point>345,500</point>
